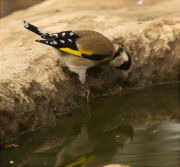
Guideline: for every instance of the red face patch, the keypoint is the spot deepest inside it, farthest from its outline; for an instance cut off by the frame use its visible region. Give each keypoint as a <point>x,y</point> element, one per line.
<point>125,66</point>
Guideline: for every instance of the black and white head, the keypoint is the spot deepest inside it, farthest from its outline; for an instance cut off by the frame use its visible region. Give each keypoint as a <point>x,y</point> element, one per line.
<point>121,60</point>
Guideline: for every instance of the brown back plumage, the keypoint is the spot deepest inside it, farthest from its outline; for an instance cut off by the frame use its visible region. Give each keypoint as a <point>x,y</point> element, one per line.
<point>95,42</point>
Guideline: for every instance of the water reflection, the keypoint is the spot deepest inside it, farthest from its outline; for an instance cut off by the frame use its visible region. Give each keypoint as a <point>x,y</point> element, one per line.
<point>95,149</point>
<point>101,132</point>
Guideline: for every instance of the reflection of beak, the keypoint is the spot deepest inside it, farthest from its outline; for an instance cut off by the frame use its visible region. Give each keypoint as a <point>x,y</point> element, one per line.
<point>125,72</point>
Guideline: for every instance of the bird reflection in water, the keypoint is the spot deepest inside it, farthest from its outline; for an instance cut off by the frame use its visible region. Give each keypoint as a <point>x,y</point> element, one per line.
<point>94,149</point>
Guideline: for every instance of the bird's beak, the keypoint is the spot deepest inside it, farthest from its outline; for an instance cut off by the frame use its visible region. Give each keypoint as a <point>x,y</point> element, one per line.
<point>125,72</point>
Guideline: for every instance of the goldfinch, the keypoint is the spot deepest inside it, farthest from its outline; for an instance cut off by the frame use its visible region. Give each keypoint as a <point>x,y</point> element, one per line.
<point>82,49</point>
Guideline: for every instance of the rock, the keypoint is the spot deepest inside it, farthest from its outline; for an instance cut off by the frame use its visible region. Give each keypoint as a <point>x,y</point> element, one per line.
<point>35,84</point>
<point>8,7</point>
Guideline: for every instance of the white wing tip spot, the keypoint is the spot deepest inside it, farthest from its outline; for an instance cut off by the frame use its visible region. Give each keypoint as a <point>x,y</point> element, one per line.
<point>71,33</point>
<point>62,41</point>
<point>26,24</point>
<point>56,35</point>
<point>70,40</point>
<point>63,34</point>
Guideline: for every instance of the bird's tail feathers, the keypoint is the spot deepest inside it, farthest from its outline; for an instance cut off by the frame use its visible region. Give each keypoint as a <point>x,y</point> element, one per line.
<point>34,29</point>
<point>61,35</point>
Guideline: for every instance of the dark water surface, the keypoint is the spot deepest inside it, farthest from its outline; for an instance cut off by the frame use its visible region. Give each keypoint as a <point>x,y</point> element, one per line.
<point>138,127</point>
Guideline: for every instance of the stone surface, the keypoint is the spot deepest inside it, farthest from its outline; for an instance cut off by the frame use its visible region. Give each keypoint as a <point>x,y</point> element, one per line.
<point>35,84</point>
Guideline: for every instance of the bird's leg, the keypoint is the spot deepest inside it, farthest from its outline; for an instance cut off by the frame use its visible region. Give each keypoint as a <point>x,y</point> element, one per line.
<point>86,89</point>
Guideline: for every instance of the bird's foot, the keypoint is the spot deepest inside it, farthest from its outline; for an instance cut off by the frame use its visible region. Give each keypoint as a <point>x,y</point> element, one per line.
<point>86,89</point>
<point>89,99</point>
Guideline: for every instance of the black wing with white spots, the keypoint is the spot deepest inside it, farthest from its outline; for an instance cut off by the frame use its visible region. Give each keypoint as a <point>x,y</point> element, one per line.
<point>69,45</point>
<point>61,35</point>
<point>61,43</point>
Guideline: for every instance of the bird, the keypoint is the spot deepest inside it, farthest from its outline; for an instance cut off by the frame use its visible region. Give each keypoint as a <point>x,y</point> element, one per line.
<point>82,49</point>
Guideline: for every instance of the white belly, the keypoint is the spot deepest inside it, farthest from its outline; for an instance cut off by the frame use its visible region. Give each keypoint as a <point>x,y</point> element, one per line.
<point>76,64</point>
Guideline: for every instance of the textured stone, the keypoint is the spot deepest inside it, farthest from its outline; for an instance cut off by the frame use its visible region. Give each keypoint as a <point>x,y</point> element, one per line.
<point>36,86</point>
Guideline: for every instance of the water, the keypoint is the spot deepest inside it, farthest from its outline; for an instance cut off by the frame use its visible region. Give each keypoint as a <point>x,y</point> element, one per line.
<point>138,127</point>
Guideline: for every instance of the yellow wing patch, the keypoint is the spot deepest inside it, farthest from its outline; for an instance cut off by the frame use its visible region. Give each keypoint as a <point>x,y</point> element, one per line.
<point>82,160</point>
<point>86,52</point>
<point>77,52</point>
<point>71,51</point>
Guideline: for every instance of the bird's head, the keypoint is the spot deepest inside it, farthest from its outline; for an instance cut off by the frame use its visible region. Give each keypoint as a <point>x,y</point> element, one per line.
<point>121,60</point>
